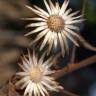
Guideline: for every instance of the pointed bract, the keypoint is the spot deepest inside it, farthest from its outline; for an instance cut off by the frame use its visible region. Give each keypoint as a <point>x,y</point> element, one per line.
<point>58,23</point>
<point>37,80</point>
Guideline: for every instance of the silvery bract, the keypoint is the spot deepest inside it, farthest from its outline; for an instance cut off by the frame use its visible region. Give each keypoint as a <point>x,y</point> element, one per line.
<point>35,77</point>
<point>55,25</point>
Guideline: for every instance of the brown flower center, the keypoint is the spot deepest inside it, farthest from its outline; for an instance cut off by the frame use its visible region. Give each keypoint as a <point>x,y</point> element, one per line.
<point>55,23</point>
<point>35,74</point>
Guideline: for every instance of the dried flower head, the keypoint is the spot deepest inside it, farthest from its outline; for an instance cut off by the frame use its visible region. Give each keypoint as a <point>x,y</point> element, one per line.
<point>55,25</point>
<point>35,76</point>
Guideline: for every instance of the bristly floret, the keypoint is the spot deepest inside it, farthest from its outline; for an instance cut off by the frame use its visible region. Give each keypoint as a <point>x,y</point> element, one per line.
<point>56,25</point>
<point>35,77</point>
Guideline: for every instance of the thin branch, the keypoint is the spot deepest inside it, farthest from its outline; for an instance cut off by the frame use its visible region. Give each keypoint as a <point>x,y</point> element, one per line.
<point>74,67</point>
<point>67,93</point>
<point>55,60</point>
<point>72,58</point>
<point>82,40</point>
<point>7,38</point>
<point>86,44</point>
<point>83,6</point>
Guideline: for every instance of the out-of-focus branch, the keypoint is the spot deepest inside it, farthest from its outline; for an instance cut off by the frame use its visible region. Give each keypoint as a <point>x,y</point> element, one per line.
<point>9,56</point>
<point>82,40</point>
<point>86,44</point>
<point>7,38</point>
<point>7,63</point>
<point>67,93</point>
<point>13,9</point>
<point>72,58</point>
<point>56,59</point>
<point>83,6</point>
<point>73,67</point>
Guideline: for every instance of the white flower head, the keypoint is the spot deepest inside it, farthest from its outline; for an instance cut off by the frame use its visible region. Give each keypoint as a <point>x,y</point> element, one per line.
<point>35,77</point>
<point>55,25</point>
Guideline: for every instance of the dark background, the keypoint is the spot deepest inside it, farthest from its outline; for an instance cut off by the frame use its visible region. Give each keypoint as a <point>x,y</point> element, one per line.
<point>82,81</point>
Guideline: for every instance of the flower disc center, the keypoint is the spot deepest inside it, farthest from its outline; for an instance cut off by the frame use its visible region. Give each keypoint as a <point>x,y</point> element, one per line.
<point>35,75</point>
<point>55,23</point>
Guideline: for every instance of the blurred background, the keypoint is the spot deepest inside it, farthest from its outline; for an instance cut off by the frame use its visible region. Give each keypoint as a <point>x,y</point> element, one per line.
<point>12,41</point>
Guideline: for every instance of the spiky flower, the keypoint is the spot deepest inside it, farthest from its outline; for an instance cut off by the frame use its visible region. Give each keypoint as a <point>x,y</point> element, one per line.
<point>55,25</point>
<point>36,77</point>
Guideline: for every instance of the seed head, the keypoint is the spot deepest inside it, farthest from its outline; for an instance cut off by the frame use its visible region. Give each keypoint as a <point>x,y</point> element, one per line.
<point>35,74</point>
<point>55,23</point>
